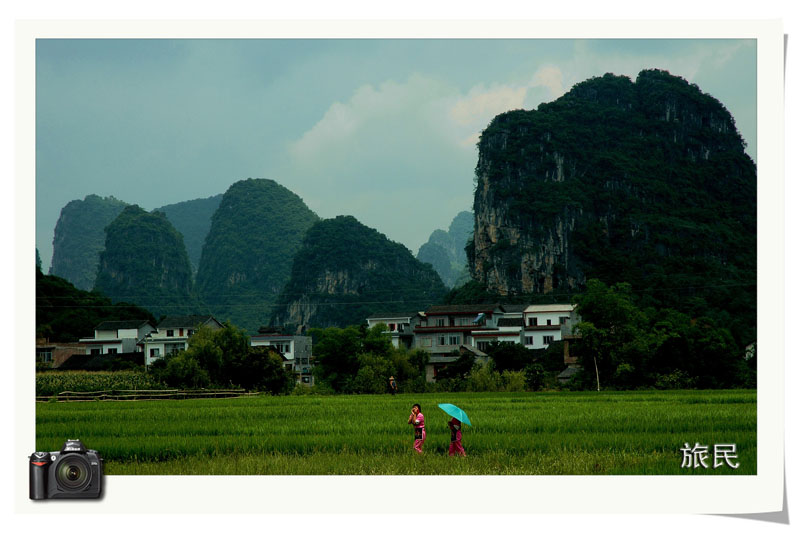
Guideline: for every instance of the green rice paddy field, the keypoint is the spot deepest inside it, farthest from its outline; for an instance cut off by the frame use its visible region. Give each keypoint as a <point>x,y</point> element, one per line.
<point>512,433</point>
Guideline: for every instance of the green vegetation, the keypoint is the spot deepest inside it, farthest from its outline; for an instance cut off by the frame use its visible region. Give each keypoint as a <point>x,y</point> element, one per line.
<point>145,261</point>
<point>644,182</point>
<point>66,314</point>
<point>632,347</point>
<point>224,358</point>
<point>193,220</point>
<point>361,360</point>
<point>445,250</point>
<point>53,382</point>
<point>617,433</point>
<point>247,256</point>
<point>346,271</point>
<point>79,238</point>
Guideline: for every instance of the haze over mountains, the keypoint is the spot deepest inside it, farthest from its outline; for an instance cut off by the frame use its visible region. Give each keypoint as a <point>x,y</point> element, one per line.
<point>644,181</point>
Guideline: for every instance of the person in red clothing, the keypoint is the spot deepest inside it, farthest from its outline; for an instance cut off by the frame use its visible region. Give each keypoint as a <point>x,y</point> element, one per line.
<point>417,419</point>
<point>455,438</point>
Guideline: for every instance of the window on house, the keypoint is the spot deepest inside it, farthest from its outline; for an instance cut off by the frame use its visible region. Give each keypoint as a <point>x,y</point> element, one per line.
<point>112,351</point>
<point>46,357</point>
<point>180,332</point>
<point>454,340</point>
<point>392,327</point>
<point>442,340</point>
<point>189,332</point>
<point>95,351</point>
<point>287,348</point>
<point>549,322</point>
<point>170,333</point>
<point>483,345</point>
<point>533,321</point>
<point>528,340</point>
<point>547,339</point>
<point>562,320</point>
<point>440,322</point>
<point>155,352</point>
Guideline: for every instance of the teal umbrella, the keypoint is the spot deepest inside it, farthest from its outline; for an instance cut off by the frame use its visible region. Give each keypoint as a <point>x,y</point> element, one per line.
<point>455,412</point>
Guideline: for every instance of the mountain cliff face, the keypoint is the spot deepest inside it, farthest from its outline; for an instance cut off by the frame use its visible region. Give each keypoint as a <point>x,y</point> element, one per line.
<point>79,238</point>
<point>145,262</point>
<point>644,182</point>
<point>247,256</point>
<point>346,271</point>
<point>193,220</point>
<point>445,250</point>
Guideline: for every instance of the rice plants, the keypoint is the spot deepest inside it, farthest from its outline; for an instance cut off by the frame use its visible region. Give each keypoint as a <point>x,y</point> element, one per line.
<point>512,433</point>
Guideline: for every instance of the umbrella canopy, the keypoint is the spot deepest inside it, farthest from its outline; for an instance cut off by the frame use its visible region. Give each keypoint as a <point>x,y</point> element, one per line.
<point>455,412</point>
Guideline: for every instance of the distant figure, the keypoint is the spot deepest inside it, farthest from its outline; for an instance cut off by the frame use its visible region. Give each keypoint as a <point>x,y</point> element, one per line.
<point>417,419</point>
<point>455,438</point>
<point>392,385</point>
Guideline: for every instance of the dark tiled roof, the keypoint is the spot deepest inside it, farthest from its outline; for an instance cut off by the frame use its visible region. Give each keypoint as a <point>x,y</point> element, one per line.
<point>187,321</point>
<point>514,308</point>
<point>113,325</point>
<point>568,372</point>
<point>392,315</point>
<point>509,322</point>
<point>471,308</point>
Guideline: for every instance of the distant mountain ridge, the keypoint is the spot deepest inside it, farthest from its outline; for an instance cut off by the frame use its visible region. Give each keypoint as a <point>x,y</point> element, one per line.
<point>192,219</point>
<point>445,250</point>
<point>247,256</point>
<point>346,271</point>
<point>145,262</point>
<point>79,237</point>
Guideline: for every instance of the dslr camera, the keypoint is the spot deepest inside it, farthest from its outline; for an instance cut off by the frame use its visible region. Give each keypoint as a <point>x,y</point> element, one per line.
<point>74,472</point>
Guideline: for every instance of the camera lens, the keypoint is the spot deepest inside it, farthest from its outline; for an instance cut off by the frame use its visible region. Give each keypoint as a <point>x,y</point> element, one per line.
<point>73,473</point>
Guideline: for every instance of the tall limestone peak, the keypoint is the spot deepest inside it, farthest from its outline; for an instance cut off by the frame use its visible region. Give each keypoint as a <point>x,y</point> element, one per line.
<point>79,238</point>
<point>346,271</point>
<point>145,262</point>
<point>645,182</point>
<point>247,256</point>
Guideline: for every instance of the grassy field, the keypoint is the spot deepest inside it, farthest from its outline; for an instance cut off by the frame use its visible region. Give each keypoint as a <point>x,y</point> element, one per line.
<point>512,433</point>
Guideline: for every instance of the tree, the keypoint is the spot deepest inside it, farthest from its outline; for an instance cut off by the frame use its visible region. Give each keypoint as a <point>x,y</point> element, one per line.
<point>612,330</point>
<point>509,355</point>
<point>336,353</point>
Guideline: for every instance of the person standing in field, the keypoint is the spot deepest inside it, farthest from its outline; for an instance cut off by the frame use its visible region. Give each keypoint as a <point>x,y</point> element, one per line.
<point>417,419</point>
<point>392,385</point>
<point>455,438</point>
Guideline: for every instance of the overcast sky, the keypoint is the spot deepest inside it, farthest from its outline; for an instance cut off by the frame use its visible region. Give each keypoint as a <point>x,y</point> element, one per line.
<point>384,130</point>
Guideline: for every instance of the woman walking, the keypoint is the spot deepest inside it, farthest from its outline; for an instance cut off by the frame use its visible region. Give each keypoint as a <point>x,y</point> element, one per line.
<point>417,419</point>
<point>455,438</point>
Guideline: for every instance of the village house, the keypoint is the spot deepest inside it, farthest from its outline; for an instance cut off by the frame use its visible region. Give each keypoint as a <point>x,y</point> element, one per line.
<point>294,349</point>
<point>117,337</point>
<point>400,326</point>
<point>172,335</point>
<point>445,329</point>
<point>55,353</point>
<point>542,324</point>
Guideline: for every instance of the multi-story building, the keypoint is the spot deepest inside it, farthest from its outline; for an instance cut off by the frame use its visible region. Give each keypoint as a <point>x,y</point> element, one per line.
<point>446,329</point>
<point>296,351</point>
<point>400,326</point>
<point>543,324</point>
<point>117,336</point>
<point>172,335</point>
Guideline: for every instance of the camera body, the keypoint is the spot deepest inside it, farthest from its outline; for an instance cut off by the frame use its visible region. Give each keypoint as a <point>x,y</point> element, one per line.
<point>74,472</point>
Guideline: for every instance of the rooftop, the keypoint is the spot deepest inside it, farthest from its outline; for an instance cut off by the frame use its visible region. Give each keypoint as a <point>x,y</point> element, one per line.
<point>550,308</point>
<point>187,321</point>
<point>113,325</point>
<point>463,309</point>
